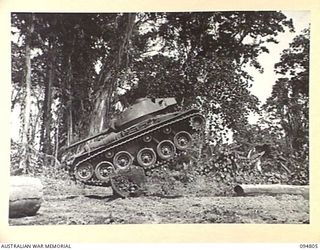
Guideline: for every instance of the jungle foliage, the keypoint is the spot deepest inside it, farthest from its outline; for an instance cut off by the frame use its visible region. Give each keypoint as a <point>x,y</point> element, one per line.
<point>70,72</point>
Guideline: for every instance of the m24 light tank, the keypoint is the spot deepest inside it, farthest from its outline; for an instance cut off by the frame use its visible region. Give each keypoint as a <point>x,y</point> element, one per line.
<point>143,138</point>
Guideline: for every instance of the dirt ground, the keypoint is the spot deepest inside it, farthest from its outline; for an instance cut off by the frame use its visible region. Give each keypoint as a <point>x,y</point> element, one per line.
<point>67,203</point>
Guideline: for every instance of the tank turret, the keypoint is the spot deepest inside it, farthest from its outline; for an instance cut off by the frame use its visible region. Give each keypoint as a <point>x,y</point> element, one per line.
<point>142,109</point>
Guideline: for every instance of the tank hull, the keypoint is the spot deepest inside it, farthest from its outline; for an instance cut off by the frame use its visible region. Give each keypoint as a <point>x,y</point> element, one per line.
<point>147,146</point>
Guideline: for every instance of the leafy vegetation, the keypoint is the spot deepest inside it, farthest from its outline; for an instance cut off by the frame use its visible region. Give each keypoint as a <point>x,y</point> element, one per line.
<point>71,73</point>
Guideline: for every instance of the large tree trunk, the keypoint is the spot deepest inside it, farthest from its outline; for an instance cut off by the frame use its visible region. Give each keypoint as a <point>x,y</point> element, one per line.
<point>27,109</point>
<point>47,118</point>
<point>25,196</point>
<point>70,101</point>
<point>68,42</point>
<point>108,79</point>
<point>99,116</point>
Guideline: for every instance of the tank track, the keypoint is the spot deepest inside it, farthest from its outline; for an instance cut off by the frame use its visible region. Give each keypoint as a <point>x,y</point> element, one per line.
<point>98,155</point>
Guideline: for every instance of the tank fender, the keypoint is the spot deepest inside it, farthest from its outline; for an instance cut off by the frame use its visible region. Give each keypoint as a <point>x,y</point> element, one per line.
<point>107,139</point>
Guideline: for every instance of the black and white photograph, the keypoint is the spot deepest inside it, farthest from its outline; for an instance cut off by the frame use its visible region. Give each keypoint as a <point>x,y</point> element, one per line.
<point>178,117</point>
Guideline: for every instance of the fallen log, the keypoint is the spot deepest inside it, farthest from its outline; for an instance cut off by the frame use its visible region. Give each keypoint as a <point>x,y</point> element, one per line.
<point>247,189</point>
<point>25,196</point>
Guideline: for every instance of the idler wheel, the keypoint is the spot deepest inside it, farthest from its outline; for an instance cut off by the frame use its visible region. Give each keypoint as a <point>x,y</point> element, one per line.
<point>146,157</point>
<point>197,122</point>
<point>129,183</point>
<point>104,170</point>
<point>166,149</point>
<point>182,140</point>
<point>84,171</point>
<point>122,160</point>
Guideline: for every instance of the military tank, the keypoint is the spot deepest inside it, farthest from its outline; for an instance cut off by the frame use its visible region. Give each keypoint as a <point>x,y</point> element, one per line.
<point>143,138</point>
